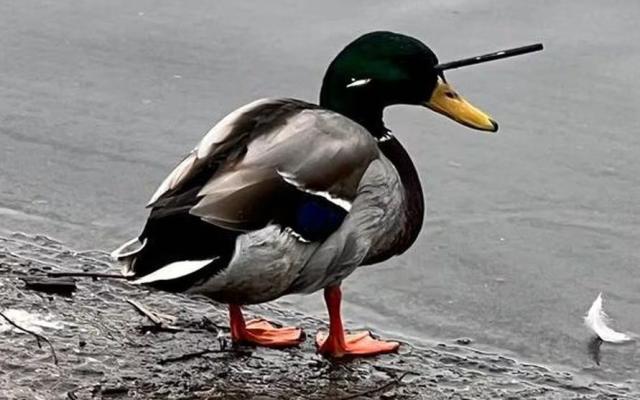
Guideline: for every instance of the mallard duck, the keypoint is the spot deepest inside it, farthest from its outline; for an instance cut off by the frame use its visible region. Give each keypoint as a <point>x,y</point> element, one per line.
<point>284,196</point>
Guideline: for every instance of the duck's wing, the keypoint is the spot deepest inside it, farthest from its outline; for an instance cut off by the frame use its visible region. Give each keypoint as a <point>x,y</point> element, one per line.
<point>260,158</point>
<point>274,161</point>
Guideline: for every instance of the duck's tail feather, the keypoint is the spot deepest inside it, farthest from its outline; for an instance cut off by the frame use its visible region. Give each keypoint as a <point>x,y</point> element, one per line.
<point>176,252</point>
<point>127,249</point>
<point>126,254</point>
<point>174,271</point>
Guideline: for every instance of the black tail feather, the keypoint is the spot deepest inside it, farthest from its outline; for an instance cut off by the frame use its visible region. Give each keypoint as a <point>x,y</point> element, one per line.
<point>182,237</point>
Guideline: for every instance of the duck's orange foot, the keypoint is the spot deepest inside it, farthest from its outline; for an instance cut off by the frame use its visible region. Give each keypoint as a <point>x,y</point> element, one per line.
<point>359,344</point>
<point>262,333</point>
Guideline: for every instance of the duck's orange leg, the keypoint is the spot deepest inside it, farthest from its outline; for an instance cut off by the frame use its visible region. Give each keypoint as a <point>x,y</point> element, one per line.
<point>337,343</point>
<point>260,331</point>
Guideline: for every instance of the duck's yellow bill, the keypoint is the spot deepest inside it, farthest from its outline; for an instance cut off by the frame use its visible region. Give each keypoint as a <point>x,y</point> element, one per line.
<point>446,101</point>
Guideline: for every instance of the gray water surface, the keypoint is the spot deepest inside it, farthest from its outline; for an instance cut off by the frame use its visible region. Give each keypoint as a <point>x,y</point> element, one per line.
<point>524,228</point>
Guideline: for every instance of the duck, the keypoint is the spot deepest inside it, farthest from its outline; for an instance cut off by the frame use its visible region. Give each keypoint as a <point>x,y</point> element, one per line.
<point>283,196</point>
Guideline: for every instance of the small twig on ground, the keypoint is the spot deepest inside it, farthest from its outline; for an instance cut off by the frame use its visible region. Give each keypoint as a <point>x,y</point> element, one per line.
<point>36,335</point>
<point>189,356</point>
<point>393,382</point>
<point>166,317</point>
<point>153,317</point>
<point>195,354</point>
<point>64,287</point>
<point>87,275</point>
<point>144,311</point>
<point>387,369</point>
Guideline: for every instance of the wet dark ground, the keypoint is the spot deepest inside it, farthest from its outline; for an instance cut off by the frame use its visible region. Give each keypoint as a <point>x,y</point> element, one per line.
<point>106,349</point>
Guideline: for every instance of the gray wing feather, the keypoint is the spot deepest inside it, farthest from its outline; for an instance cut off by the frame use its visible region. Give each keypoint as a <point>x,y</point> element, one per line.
<point>318,149</point>
<point>216,141</point>
<point>244,157</point>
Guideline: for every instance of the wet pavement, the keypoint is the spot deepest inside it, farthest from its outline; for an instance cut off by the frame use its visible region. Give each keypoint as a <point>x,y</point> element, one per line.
<point>106,349</point>
<point>524,228</point>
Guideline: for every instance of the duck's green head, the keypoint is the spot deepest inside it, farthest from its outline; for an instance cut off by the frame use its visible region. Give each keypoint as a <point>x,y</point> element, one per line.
<point>380,69</point>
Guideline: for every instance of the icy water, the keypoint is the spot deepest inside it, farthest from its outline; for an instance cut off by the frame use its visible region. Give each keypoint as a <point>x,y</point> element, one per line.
<point>524,228</point>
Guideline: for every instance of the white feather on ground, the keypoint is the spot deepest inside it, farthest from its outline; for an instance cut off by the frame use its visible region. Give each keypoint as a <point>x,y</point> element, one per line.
<point>596,320</point>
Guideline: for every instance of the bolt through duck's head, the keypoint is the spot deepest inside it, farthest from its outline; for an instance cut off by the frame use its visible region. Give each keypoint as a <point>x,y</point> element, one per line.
<point>380,69</point>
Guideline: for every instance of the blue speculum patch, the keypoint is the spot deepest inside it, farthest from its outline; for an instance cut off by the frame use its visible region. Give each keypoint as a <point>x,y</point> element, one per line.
<point>317,218</point>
